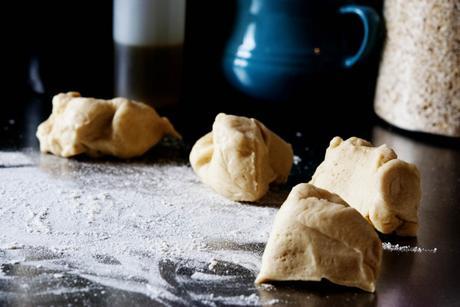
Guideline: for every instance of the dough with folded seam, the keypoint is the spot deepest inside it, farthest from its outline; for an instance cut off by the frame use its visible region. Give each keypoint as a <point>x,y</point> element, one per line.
<point>316,235</point>
<point>240,157</point>
<point>119,127</point>
<point>384,189</point>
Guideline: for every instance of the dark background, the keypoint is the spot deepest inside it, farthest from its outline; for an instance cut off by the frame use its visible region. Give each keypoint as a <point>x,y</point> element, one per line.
<point>71,47</point>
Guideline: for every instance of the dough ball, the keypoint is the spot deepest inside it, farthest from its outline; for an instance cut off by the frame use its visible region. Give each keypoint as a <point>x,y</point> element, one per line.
<point>119,127</point>
<point>384,189</point>
<point>317,235</point>
<point>241,157</point>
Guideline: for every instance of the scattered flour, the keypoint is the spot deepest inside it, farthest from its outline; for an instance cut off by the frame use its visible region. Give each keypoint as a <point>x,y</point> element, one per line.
<point>211,277</point>
<point>297,160</point>
<point>212,264</point>
<point>406,248</point>
<point>14,158</point>
<point>241,300</point>
<point>120,224</point>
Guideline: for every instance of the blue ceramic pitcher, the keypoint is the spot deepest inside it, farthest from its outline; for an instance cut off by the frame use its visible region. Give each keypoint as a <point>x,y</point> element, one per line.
<point>276,44</point>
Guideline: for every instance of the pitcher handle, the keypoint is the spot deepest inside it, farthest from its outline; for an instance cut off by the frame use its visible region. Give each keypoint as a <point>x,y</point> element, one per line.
<point>372,25</point>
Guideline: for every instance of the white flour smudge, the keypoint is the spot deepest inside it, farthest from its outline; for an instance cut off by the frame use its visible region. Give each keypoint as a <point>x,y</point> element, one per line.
<point>406,248</point>
<point>14,158</point>
<point>211,277</point>
<point>297,160</point>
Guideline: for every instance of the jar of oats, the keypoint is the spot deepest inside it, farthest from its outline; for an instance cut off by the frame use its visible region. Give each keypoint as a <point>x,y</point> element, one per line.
<point>419,80</point>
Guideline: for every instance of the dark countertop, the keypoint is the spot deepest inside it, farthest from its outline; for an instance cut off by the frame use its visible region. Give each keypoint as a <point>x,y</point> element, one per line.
<point>406,279</point>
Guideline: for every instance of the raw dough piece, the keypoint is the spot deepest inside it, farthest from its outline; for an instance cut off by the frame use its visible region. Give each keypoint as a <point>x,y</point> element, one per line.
<point>372,180</point>
<point>317,235</point>
<point>117,127</point>
<point>241,157</point>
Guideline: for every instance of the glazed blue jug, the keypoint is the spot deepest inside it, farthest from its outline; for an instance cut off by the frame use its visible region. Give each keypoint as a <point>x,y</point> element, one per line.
<point>279,44</point>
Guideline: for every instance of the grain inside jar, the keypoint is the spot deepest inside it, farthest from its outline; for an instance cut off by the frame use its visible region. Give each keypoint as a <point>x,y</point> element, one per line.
<point>419,80</point>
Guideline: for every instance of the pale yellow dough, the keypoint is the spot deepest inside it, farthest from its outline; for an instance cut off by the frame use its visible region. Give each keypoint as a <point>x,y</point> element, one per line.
<point>241,157</point>
<point>119,127</point>
<point>384,189</point>
<point>317,235</point>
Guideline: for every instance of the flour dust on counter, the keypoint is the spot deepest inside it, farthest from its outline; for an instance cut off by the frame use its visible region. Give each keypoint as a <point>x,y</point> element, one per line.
<point>388,246</point>
<point>14,159</point>
<point>82,228</point>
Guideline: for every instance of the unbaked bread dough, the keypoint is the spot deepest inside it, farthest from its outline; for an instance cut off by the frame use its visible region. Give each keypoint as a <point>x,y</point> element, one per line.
<point>241,157</point>
<point>317,235</point>
<point>371,179</point>
<point>119,127</point>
